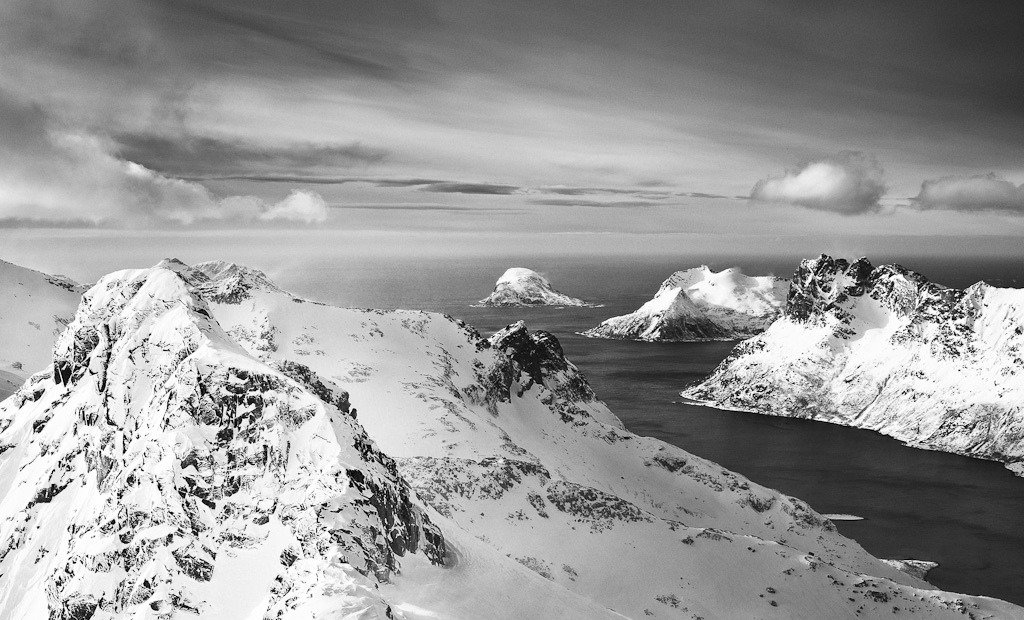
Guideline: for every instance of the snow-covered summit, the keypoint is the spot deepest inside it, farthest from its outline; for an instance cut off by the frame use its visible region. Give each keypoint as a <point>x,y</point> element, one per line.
<point>268,457</point>
<point>701,304</point>
<point>159,464</point>
<point>886,349</point>
<point>519,286</point>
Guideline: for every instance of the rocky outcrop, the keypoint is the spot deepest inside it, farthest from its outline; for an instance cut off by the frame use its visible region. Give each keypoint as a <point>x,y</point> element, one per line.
<point>699,304</point>
<point>158,450</point>
<point>886,349</point>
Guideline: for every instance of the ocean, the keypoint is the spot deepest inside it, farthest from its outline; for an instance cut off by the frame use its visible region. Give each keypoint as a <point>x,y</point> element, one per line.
<point>963,513</point>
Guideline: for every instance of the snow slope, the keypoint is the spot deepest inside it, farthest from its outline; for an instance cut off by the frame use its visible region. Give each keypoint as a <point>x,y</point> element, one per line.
<point>198,442</point>
<point>34,309</point>
<point>700,304</point>
<point>885,349</point>
<point>159,470</point>
<point>524,287</point>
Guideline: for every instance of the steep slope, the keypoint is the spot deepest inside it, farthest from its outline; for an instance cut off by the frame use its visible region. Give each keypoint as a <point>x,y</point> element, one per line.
<point>156,469</point>
<point>525,287</point>
<point>885,349</point>
<point>34,309</point>
<point>506,442</point>
<point>700,304</point>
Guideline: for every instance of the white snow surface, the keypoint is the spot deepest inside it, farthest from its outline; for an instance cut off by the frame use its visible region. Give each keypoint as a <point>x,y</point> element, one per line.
<point>192,449</point>
<point>701,304</point>
<point>34,309</point>
<point>519,286</point>
<point>885,349</point>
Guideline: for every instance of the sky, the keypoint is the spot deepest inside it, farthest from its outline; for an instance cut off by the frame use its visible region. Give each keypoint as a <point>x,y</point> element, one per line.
<point>738,122</point>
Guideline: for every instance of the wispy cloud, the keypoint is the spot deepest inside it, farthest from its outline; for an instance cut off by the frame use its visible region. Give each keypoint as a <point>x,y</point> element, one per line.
<point>489,189</point>
<point>211,156</point>
<point>615,204</point>
<point>50,174</point>
<point>426,207</point>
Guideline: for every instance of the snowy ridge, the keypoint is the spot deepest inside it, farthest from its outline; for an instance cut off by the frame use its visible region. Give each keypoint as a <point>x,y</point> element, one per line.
<point>700,304</point>
<point>257,457</point>
<point>524,287</point>
<point>157,452</point>
<point>34,309</point>
<point>885,349</point>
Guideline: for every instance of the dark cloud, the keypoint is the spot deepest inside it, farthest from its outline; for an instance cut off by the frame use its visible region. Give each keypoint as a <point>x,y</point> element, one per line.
<point>426,185</point>
<point>703,195</point>
<point>989,192</point>
<point>849,182</point>
<point>208,156</point>
<point>151,39</point>
<point>426,207</point>
<point>590,191</point>
<point>622,204</point>
<point>489,189</point>
<point>277,22</point>
<point>404,182</point>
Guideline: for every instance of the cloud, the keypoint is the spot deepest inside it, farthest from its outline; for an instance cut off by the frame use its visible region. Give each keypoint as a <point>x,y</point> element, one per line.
<point>299,206</point>
<point>489,189</point>
<point>571,202</point>
<point>849,183</point>
<point>52,174</point>
<point>426,207</point>
<point>988,192</point>
<point>212,156</point>
<point>705,195</point>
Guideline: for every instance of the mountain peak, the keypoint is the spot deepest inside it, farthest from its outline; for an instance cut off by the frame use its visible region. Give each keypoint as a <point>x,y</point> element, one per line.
<point>887,349</point>
<point>519,286</point>
<point>168,451</point>
<point>700,304</point>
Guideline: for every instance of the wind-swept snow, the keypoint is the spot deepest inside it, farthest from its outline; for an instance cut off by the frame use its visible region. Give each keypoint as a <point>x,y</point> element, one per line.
<point>700,304</point>
<point>204,441</point>
<point>885,349</point>
<point>34,309</point>
<point>524,287</point>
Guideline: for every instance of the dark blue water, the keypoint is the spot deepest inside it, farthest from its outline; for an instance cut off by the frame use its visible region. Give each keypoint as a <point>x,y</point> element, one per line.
<point>965,514</point>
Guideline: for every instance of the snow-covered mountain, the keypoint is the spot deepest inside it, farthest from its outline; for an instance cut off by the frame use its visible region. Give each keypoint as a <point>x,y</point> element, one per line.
<point>202,441</point>
<point>885,349</point>
<point>700,304</point>
<point>524,287</point>
<point>34,309</point>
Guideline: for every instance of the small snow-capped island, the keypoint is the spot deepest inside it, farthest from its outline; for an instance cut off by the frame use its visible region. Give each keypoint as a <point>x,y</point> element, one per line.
<point>700,304</point>
<point>519,286</point>
<point>883,348</point>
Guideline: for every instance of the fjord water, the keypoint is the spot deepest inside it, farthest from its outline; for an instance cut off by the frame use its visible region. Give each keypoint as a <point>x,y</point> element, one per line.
<point>963,513</point>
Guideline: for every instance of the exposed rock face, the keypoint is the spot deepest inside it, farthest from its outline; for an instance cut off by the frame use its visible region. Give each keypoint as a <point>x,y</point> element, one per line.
<point>883,348</point>
<point>160,465</point>
<point>525,287</point>
<point>158,449</point>
<point>699,304</point>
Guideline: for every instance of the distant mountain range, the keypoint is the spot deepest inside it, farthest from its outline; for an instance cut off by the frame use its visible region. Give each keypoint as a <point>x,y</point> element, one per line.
<point>202,442</point>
